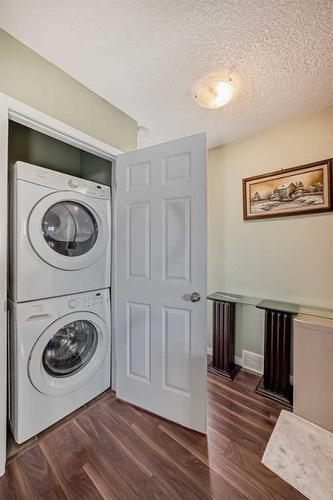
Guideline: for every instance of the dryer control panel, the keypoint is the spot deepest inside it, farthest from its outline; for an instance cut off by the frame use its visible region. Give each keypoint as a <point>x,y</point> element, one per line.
<point>59,181</point>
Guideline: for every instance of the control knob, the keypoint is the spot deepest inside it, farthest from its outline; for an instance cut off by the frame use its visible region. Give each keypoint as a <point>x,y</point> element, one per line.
<point>72,304</point>
<point>74,183</point>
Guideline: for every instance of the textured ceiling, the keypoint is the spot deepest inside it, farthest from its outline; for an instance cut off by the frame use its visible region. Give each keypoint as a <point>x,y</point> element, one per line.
<point>144,56</point>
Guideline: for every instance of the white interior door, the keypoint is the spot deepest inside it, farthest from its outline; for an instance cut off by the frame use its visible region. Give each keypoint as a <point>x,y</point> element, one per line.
<point>160,264</point>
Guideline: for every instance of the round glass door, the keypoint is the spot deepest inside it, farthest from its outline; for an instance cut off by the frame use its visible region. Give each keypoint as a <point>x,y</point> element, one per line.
<point>69,228</point>
<point>70,348</point>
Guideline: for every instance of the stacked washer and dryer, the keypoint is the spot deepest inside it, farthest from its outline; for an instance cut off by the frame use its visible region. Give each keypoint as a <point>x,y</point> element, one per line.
<point>59,307</point>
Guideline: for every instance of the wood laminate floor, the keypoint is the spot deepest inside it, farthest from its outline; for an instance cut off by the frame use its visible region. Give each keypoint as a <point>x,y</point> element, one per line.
<point>111,450</point>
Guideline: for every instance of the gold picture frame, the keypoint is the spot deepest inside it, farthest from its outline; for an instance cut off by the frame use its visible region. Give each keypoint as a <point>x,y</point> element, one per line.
<point>299,190</point>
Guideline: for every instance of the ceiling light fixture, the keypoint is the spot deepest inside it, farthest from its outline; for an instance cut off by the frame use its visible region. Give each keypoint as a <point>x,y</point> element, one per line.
<point>213,92</point>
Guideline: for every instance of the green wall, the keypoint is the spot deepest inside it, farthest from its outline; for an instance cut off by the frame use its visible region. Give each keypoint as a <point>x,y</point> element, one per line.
<point>27,77</point>
<point>283,258</point>
<point>25,144</point>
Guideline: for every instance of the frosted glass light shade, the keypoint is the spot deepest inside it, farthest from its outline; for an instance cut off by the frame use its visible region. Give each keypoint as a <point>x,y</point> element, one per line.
<point>214,93</point>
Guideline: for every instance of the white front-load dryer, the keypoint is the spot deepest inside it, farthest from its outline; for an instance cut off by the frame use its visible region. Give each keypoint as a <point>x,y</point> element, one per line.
<point>60,234</point>
<point>59,358</point>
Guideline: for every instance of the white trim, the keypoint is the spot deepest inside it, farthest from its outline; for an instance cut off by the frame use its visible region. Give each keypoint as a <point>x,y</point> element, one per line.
<point>32,118</point>
<point>113,299</point>
<point>3,280</point>
<point>21,113</point>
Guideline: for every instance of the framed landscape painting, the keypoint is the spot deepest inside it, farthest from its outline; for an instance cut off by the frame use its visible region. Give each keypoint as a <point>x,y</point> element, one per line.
<point>299,190</point>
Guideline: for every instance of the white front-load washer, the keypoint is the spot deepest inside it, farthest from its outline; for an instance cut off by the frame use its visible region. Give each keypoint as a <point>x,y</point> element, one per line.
<point>59,358</point>
<point>60,234</point>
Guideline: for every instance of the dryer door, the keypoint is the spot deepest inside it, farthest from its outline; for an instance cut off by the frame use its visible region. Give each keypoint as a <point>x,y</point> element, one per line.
<point>68,353</point>
<point>68,230</point>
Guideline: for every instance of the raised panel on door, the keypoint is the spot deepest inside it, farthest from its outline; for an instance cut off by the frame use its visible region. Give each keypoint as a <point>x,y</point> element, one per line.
<point>138,240</point>
<point>176,238</point>
<point>177,349</point>
<point>160,262</point>
<point>138,341</point>
<point>138,176</point>
<point>177,167</point>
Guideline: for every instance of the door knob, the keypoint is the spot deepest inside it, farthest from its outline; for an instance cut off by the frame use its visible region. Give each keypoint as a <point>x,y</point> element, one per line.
<point>195,297</point>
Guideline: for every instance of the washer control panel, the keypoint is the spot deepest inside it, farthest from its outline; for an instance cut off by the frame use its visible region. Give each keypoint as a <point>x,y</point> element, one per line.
<point>45,311</point>
<point>86,301</point>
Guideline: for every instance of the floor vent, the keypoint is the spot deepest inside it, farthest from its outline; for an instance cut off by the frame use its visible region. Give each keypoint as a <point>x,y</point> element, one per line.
<point>252,361</point>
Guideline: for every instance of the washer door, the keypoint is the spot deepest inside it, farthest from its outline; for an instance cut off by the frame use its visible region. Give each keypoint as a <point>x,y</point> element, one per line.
<point>66,231</point>
<point>68,353</point>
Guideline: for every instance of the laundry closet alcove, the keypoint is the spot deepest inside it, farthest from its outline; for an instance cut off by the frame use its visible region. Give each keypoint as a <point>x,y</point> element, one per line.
<point>30,136</point>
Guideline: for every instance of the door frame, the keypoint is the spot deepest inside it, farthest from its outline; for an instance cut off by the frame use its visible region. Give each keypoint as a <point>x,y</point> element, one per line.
<point>17,111</point>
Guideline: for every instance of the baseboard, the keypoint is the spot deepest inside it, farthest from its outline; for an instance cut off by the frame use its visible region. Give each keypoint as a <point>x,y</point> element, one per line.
<point>251,361</point>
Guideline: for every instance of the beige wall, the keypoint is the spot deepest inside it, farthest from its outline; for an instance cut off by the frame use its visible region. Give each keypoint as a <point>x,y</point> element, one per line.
<point>31,79</point>
<point>313,370</point>
<point>287,259</point>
